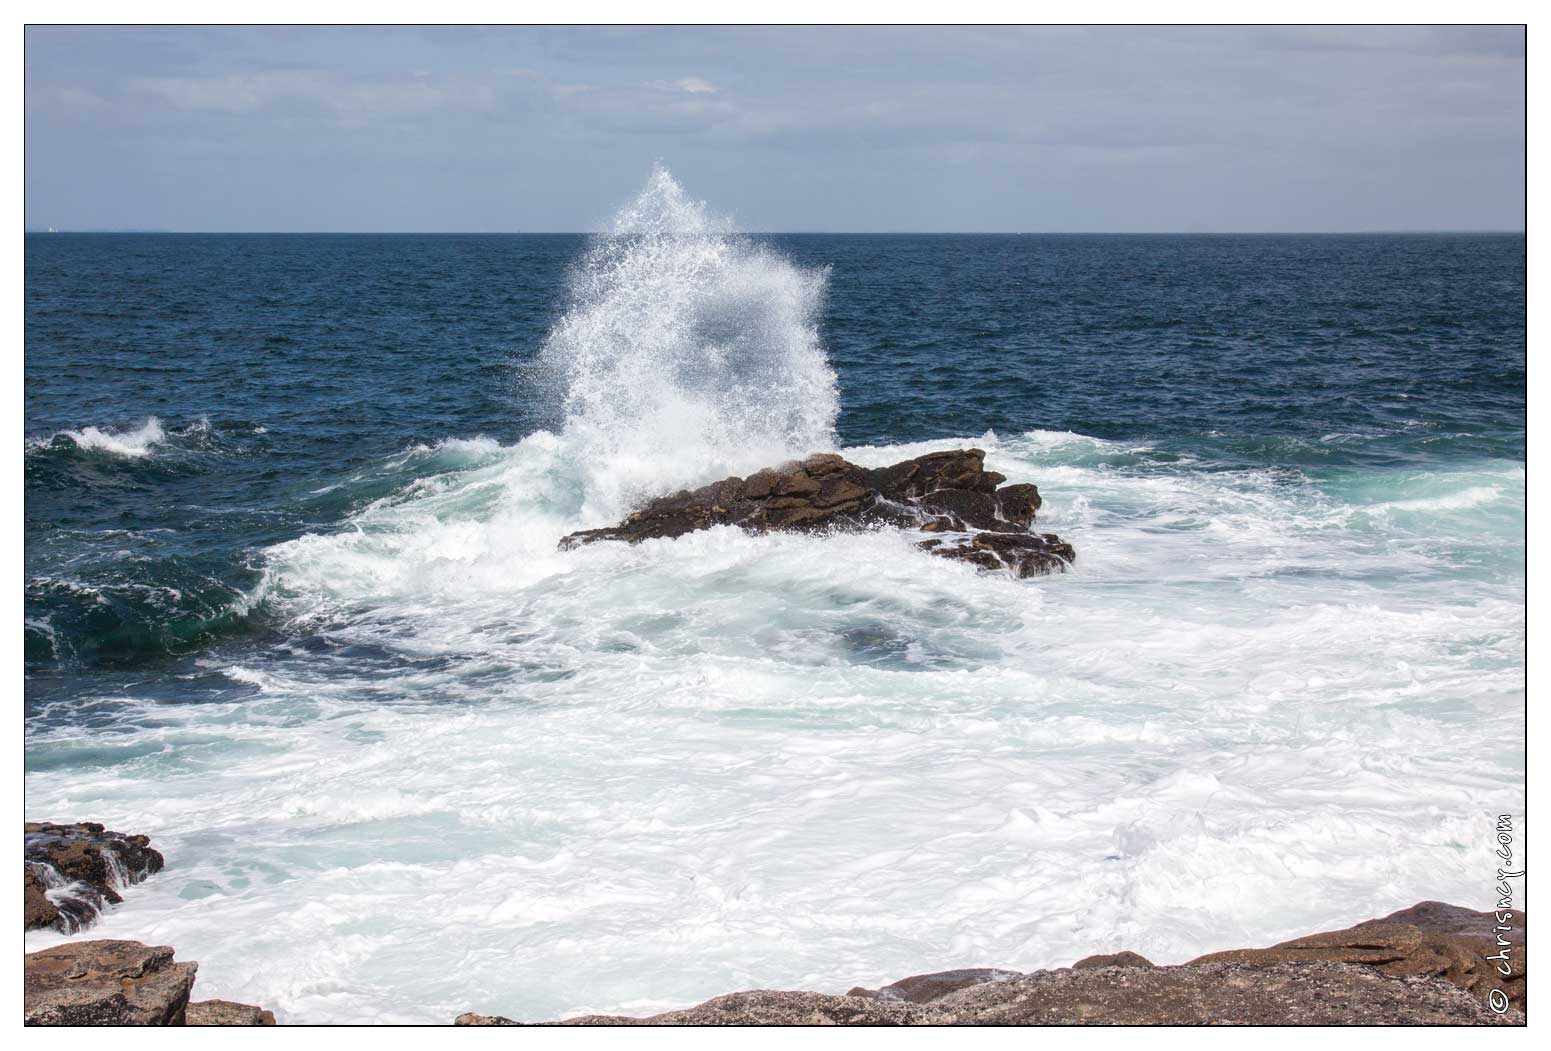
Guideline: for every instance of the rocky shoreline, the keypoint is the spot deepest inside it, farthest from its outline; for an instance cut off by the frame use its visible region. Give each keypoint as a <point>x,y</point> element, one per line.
<point>1430,964</point>
<point>71,872</point>
<point>975,518</point>
<point>1425,965</point>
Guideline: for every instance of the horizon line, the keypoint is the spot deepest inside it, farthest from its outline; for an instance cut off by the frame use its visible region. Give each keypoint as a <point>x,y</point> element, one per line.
<point>790,233</point>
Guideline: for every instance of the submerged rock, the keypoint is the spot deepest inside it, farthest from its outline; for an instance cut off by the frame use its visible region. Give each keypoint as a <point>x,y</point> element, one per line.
<point>947,493</point>
<point>106,983</point>
<point>72,871</point>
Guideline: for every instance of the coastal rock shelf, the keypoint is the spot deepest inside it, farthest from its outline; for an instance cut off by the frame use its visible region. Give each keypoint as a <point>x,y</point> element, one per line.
<point>122,983</point>
<point>71,872</point>
<point>950,493</point>
<point>1426,965</point>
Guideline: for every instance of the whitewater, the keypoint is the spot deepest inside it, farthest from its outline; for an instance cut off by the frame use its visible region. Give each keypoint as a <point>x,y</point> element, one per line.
<point>539,783</point>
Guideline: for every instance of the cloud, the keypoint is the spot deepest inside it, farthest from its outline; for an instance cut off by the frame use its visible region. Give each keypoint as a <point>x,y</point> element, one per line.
<point>685,85</point>
<point>411,93</point>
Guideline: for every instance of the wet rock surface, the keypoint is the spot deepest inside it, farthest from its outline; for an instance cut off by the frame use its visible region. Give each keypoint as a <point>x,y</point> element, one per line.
<point>71,872</point>
<point>106,983</point>
<point>950,493</point>
<point>1430,939</point>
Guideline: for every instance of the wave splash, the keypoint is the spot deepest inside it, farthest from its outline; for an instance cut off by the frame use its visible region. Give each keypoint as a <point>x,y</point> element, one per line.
<point>686,352</point>
<point>134,443</point>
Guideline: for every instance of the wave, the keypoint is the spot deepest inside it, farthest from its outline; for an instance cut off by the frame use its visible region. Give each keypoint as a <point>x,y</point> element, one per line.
<point>133,443</point>
<point>128,611</point>
<point>686,352</point>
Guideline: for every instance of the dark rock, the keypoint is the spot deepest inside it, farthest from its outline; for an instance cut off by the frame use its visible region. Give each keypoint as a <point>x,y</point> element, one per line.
<point>106,983</point>
<point>1024,554</point>
<point>1113,959</point>
<point>1195,994</point>
<point>924,988</point>
<point>937,493</point>
<point>225,1012</point>
<point>969,508</point>
<point>1017,504</point>
<point>1429,939</point>
<point>79,869</point>
<point>38,911</point>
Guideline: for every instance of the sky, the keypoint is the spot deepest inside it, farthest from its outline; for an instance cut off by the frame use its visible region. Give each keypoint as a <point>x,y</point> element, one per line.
<point>1122,129</point>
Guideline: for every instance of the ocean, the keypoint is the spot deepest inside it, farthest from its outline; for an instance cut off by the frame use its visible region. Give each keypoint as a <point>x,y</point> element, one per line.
<point>294,606</point>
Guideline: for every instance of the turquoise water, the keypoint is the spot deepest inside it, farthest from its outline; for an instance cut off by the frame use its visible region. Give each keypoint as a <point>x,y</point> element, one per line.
<point>294,606</point>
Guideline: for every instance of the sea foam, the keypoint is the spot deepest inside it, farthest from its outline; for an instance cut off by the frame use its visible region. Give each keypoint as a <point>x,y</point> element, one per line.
<point>486,774</point>
<point>134,443</point>
<point>686,352</point>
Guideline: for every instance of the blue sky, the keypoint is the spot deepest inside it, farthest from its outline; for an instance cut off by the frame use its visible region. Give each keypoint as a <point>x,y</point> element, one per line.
<point>885,129</point>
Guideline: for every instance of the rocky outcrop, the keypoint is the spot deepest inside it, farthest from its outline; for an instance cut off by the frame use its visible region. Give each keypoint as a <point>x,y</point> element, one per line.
<point>1426,965</point>
<point>951,493</point>
<point>1195,994</point>
<point>122,983</point>
<point>106,983</point>
<point>225,1012</point>
<point>924,988</point>
<point>72,871</point>
<point>1112,959</point>
<point>1430,939</point>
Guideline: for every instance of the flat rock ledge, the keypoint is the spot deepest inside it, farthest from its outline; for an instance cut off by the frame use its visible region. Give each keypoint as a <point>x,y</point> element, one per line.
<point>108,982</point>
<point>71,872</point>
<point>980,520</point>
<point>1426,965</point>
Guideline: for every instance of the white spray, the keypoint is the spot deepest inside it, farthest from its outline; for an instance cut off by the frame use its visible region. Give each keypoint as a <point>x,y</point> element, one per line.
<point>687,352</point>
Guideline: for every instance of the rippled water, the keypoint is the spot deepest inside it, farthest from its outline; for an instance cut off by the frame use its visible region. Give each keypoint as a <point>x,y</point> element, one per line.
<point>294,606</point>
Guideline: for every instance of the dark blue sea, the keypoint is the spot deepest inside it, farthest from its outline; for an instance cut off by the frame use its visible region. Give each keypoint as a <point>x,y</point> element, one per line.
<point>294,606</point>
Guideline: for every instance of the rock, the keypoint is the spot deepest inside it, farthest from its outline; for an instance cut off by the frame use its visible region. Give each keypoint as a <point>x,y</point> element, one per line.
<point>1425,965</point>
<point>38,910</point>
<point>766,1007</point>
<point>1018,503</point>
<point>940,493</point>
<point>1114,959</point>
<point>1430,939</point>
<point>79,868</point>
<point>1195,994</point>
<point>923,988</point>
<point>1023,554</point>
<point>470,1018</point>
<point>1211,994</point>
<point>225,1012</point>
<point>106,983</point>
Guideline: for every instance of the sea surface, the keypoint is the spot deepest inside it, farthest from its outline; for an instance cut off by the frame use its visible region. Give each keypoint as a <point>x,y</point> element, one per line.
<point>294,606</point>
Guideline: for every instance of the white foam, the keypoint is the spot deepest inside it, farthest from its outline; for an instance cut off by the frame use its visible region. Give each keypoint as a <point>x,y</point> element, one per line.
<point>687,352</point>
<point>133,443</point>
<point>630,778</point>
<point>506,778</point>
